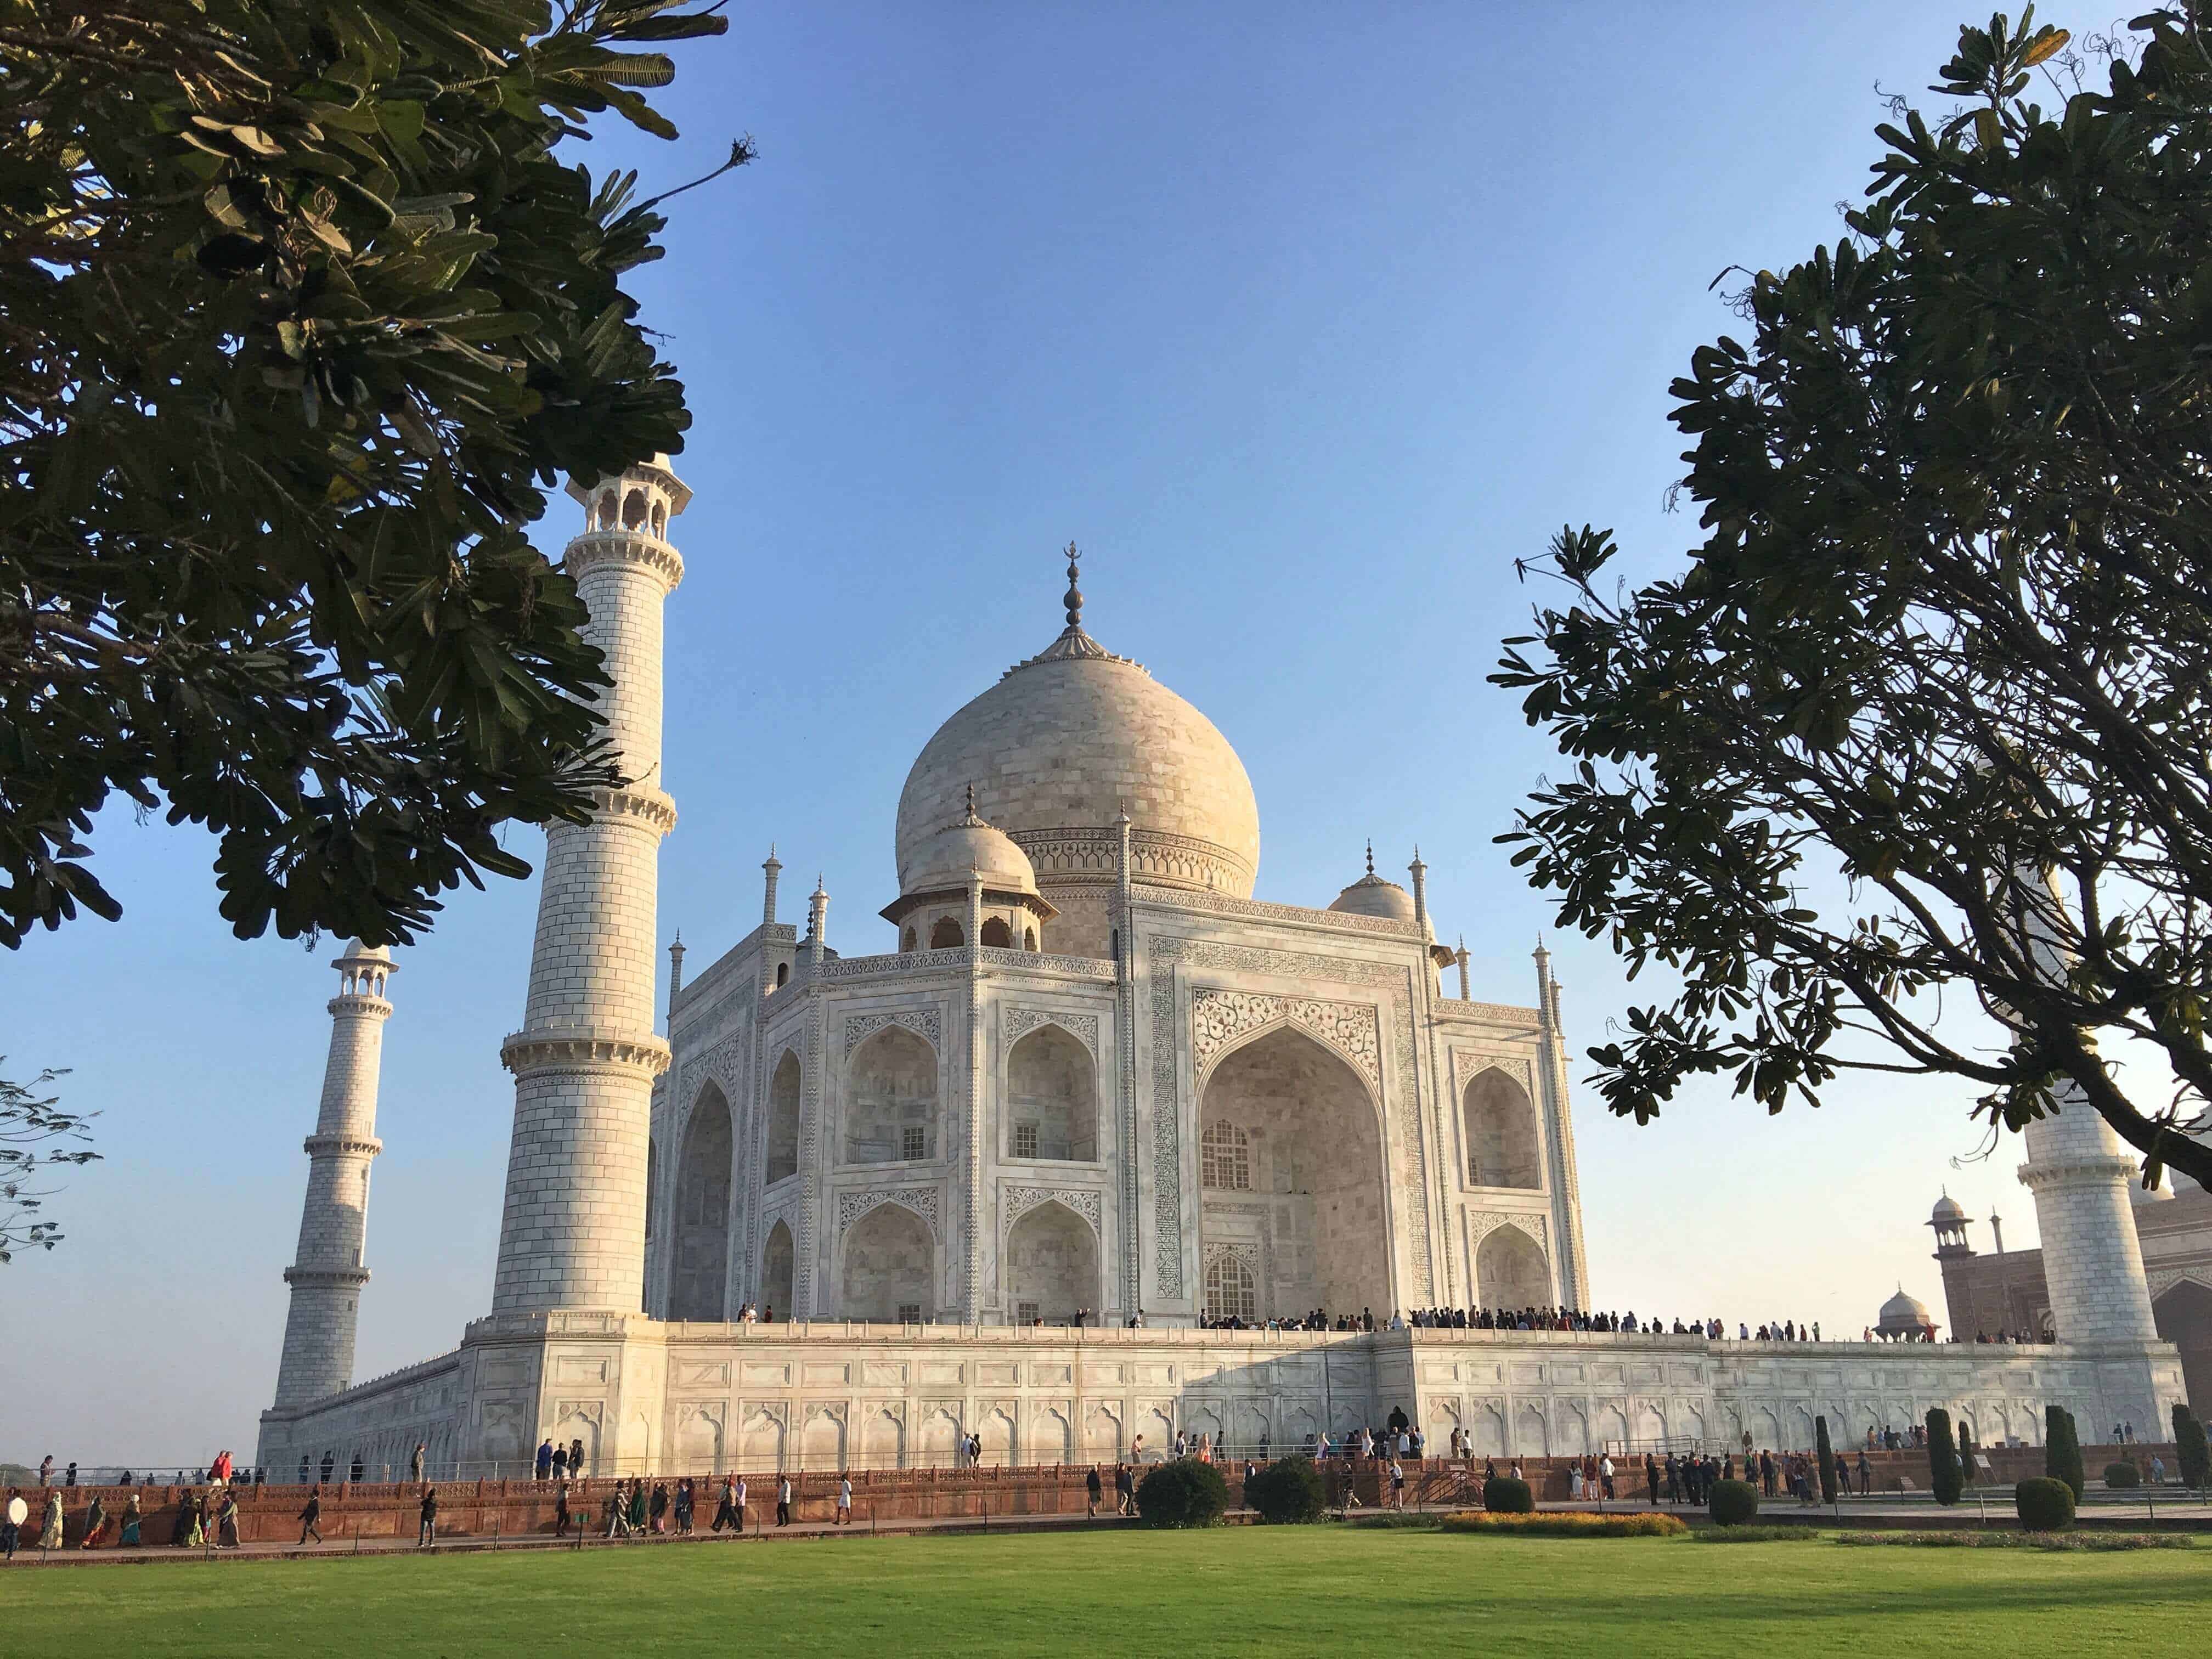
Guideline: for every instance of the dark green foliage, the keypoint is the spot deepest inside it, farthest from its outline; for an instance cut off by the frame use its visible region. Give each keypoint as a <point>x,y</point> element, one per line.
<point>1966,1455</point>
<point>1503,1495</point>
<point>1947,634</point>
<point>2044,1504</point>
<point>2121,1475</point>
<point>306,303</point>
<point>2191,1451</point>
<point>1826,1454</point>
<point>2062,1449</point>
<point>1945,1478</point>
<point>1183,1493</point>
<point>1734,1503</point>
<point>1288,1492</point>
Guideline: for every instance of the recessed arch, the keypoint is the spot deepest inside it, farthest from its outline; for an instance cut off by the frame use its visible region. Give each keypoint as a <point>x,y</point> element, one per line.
<point>1051,1265</point>
<point>1052,1098</point>
<point>699,1272</point>
<point>1316,1146</point>
<point>888,1269</point>
<point>781,1158</point>
<point>1504,1147</point>
<point>944,934</point>
<point>1509,1271</point>
<point>997,934</point>
<point>1232,1289</point>
<point>634,509</point>
<point>891,1099</point>
<point>2183,1314</point>
<point>779,1272</point>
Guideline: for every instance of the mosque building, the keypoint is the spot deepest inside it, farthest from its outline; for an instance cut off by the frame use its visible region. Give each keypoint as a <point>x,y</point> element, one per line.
<point>1009,1178</point>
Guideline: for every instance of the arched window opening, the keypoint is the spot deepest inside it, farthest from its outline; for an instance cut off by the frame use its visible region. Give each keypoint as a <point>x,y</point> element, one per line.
<point>1052,1098</point>
<point>1052,1265</point>
<point>907,940</point>
<point>783,1121</point>
<point>1030,939</point>
<point>778,1274</point>
<point>660,521</point>
<point>997,934</point>
<point>945,935</point>
<point>1225,1159</point>
<point>634,509</point>
<point>1230,1291</point>
<point>891,1110</point>
<point>699,1275</point>
<point>890,1268</point>
<point>1503,1148</point>
<point>782,974</point>
<point>610,510</point>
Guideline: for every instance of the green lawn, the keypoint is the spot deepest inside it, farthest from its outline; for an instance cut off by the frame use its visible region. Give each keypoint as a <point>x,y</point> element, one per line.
<point>1390,1593</point>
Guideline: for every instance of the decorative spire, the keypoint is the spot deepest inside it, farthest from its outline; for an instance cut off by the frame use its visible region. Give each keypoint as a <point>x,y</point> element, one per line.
<point>1072,643</point>
<point>974,822</point>
<point>1370,855</point>
<point>1075,596</point>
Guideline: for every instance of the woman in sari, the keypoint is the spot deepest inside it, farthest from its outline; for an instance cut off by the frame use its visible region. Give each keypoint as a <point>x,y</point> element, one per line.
<point>225,1537</point>
<point>95,1524</point>
<point>195,1521</point>
<point>130,1519</point>
<point>637,1505</point>
<point>50,1535</point>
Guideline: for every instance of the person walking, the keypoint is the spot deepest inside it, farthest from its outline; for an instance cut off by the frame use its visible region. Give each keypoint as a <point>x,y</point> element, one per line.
<point>683,1501</point>
<point>131,1518</point>
<point>658,1507</point>
<point>1605,1477</point>
<point>725,1512</point>
<point>426,1529</point>
<point>637,1507</point>
<point>226,1521</point>
<point>560,1462</point>
<point>561,1516</point>
<point>782,1500</point>
<point>844,1499</point>
<point>545,1458</point>
<point>739,1499</point>
<point>13,1511</point>
<point>617,1513</point>
<point>307,1518</point>
<point>50,1535</point>
<point>1125,1490</point>
<point>1093,1491</point>
<point>415,1464</point>
<point>1397,1484</point>
<point>46,1471</point>
<point>95,1524</point>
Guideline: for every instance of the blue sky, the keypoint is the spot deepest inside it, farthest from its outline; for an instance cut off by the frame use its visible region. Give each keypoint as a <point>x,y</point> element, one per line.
<point>1305,322</point>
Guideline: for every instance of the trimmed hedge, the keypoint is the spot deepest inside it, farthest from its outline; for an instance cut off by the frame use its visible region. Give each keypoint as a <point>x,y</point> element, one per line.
<point>1758,1536</point>
<point>2044,1504</point>
<point>1963,1540</point>
<point>2122,1474</point>
<point>2192,1453</point>
<point>1734,1503</point>
<point>1287,1492</point>
<point>1183,1493</point>
<point>1946,1479</point>
<point>1567,1523</point>
<point>1503,1495</point>
<point>2062,1449</point>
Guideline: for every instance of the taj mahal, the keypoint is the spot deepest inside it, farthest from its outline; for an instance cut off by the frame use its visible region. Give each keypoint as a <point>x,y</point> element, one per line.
<point>1045,1172</point>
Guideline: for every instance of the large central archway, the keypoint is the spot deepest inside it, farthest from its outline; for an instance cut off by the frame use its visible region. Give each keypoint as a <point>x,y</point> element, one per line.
<point>1294,1182</point>
<point>700,1275</point>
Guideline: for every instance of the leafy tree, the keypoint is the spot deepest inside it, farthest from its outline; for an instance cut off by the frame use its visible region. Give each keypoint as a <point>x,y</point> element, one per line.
<point>1931,705</point>
<point>1824,1451</point>
<point>1946,1479</point>
<point>304,307</point>
<point>2061,1451</point>
<point>2189,1449</point>
<point>34,1135</point>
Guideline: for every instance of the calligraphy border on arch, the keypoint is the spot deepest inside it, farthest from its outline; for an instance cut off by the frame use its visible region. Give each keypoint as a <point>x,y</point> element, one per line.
<point>923,1022</point>
<point>1018,1022</point>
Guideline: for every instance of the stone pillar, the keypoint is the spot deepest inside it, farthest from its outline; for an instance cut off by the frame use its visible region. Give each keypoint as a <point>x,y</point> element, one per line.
<point>2092,1261</point>
<point>1125,1081</point>
<point>327,1274</point>
<point>972,1207</point>
<point>675,976</point>
<point>1460,957</point>
<point>572,1234</point>
<point>771,867</point>
<point>1552,1066</point>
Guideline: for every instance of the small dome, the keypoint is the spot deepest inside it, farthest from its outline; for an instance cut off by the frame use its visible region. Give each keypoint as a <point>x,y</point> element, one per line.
<point>1947,1211</point>
<point>1902,1313</point>
<point>357,951</point>
<point>968,848</point>
<point>1371,896</point>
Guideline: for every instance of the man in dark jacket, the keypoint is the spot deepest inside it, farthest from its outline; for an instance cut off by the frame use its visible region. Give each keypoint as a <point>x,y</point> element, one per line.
<point>427,1532</point>
<point>310,1516</point>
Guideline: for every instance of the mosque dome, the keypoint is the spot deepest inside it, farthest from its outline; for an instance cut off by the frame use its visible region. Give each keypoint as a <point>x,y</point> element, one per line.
<point>1903,1313</point>
<point>1372,895</point>
<point>966,848</point>
<point>1061,746</point>
<point>1947,1213</point>
<point>357,951</point>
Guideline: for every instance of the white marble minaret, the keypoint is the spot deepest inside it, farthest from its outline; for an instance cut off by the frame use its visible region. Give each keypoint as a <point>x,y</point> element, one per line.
<point>2079,1171</point>
<point>327,1274</point>
<point>572,1234</point>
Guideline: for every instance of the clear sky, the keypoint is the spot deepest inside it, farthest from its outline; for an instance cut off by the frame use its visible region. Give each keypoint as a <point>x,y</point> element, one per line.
<point>1305,322</point>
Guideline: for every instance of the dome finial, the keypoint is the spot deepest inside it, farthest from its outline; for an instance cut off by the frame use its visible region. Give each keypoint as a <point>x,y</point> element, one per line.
<point>972,818</point>
<point>1074,595</point>
<point>1370,855</point>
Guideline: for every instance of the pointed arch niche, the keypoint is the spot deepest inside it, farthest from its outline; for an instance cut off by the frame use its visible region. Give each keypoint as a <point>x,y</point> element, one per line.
<point>781,1152</point>
<point>890,1100</point>
<point>779,1274</point>
<point>699,1275</point>
<point>1498,1121</point>
<point>1509,1271</point>
<point>888,1269</point>
<point>1052,1099</point>
<point>1314,1216</point>
<point>1052,1266</point>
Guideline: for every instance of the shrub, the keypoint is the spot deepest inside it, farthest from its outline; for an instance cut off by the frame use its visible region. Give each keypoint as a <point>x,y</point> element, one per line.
<point>1183,1493</point>
<point>1826,1454</point>
<point>1287,1492</point>
<point>2044,1504</point>
<point>1964,1539</point>
<point>1945,1478</point>
<point>2122,1474</point>
<point>1412,1520</point>
<point>1967,1454</point>
<point>1756,1535</point>
<point>1503,1495</point>
<point>1734,1503</point>
<point>1566,1524</point>
<point>2062,1449</point>
<point>2195,1458</point>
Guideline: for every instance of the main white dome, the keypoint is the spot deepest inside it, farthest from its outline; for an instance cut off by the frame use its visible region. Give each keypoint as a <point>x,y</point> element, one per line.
<point>1066,742</point>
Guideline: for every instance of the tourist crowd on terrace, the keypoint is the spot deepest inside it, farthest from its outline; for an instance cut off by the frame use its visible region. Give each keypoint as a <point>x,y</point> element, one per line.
<point>1557,1319</point>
